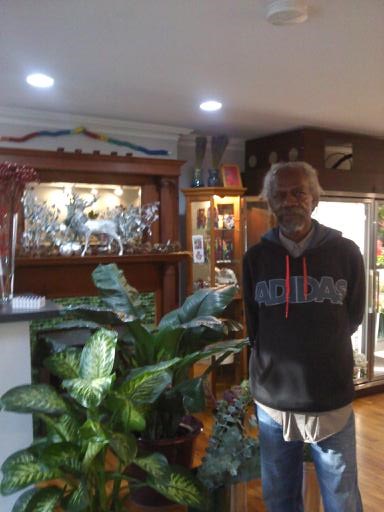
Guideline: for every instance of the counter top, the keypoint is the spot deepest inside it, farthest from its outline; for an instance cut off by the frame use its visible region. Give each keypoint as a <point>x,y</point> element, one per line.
<point>8,314</point>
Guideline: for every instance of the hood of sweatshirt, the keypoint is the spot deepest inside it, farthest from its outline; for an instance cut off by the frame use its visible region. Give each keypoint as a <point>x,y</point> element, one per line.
<point>321,235</point>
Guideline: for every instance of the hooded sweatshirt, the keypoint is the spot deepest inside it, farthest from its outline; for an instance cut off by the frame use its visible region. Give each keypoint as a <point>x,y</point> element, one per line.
<point>300,315</point>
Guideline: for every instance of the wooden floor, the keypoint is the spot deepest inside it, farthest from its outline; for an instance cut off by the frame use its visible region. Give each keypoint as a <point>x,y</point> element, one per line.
<point>369,413</point>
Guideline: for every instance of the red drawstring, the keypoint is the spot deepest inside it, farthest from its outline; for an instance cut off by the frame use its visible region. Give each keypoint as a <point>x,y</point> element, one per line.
<point>288,282</point>
<point>287,285</point>
<point>305,275</point>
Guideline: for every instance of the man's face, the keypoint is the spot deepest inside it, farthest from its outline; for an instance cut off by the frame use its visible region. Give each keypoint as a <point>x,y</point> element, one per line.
<point>292,202</point>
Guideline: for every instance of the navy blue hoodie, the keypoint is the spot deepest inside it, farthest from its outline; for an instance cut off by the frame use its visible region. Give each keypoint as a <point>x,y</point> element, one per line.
<point>300,315</point>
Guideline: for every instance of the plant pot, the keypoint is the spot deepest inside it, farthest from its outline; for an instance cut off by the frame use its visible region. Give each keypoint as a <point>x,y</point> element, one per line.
<point>178,450</point>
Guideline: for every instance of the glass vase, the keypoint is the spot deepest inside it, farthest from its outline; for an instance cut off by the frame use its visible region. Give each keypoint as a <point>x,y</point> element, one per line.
<point>197,178</point>
<point>213,178</point>
<point>8,237</point>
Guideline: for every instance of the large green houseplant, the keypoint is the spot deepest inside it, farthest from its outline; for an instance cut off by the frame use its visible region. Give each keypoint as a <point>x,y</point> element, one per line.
<point>187,333</point>
<point>89,442</point>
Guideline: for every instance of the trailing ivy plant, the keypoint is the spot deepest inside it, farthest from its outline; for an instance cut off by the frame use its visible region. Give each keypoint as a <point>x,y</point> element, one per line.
<point>82,460</point>
<point>232,455</point>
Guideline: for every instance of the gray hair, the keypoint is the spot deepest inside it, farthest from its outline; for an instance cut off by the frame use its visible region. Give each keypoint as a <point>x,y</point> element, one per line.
<point>309,171</point>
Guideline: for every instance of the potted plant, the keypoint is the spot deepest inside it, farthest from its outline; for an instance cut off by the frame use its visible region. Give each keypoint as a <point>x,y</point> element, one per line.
<point>190,333</point>
<point>185,334</point>
<point>232,455</point>
<point>82,460</point>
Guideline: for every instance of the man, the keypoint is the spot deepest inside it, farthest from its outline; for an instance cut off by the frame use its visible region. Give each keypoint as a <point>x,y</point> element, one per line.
<point>304,292</point>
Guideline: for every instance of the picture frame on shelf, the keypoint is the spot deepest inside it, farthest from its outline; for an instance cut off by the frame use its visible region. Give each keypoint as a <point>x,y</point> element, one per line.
<point>230,175</point>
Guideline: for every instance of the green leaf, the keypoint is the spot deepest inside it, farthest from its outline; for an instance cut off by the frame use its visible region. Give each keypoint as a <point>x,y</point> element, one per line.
<point>78,500</point>
<point>16,458</point>
<point>95,438</point>
<point>45,500</point>
<point>93,431</point>
<point>180,486</point>
<point>144,344</point>
<point>98,355</point>
<point>19,476</point>
<point>166,343</point>
<point>146,387</point>
<point>124,446</point>
<point>33,398</point>
<point>64,364</point>
<point>62,455</point>
<point>155,464</point>
<point>66,426</point>
<point>129,416</point>
<point>116,292</point>
<point>204,302</point>
<point>88,393</point>
<point>23,500</point>
<point>193,394</point>
<point>93,449</point>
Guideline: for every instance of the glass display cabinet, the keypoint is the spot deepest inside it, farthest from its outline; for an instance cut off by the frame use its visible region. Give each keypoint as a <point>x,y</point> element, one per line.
<point>214,235</point>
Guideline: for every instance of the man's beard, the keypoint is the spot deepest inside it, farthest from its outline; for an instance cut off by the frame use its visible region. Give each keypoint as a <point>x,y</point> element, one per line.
<point>292,220</point>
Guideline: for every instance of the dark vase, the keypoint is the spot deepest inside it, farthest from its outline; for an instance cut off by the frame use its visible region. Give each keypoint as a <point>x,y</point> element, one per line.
<point>178,451</point>
<point>197,178</point>
<point>213,178</point>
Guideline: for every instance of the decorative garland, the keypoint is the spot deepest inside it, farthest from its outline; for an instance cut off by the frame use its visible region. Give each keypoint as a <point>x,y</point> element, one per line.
<point>87,133</point>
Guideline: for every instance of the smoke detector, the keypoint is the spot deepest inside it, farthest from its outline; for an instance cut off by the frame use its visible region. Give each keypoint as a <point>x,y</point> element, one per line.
<point>286,12</point>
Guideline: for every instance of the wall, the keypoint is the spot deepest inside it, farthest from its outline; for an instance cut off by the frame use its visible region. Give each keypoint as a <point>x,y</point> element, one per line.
<point>19,122</point>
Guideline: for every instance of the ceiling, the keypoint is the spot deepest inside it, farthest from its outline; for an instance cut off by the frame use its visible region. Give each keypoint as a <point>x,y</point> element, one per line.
<point>153,61</point>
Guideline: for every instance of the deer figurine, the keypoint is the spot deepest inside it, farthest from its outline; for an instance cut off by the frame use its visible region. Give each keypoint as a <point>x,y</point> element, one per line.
<point>84,227</point>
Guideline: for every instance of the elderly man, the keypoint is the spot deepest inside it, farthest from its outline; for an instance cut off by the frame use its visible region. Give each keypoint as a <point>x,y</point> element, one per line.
<point>304,292</point>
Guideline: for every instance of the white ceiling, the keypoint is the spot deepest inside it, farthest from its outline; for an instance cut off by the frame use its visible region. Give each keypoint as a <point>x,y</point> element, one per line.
<point>153,61</point>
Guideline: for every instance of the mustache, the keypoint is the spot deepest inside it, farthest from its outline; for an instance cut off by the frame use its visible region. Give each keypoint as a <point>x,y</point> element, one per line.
<point>292,210</point>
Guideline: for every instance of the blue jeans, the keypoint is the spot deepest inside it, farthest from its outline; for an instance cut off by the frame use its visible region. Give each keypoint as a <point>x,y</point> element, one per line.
<point>282,468</point>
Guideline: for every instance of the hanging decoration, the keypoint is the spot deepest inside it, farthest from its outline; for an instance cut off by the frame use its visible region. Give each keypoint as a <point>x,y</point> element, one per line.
<point>87,133</point>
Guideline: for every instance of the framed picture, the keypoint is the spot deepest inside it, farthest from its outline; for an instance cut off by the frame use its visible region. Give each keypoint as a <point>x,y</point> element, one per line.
<point>230,174</point>
<point>198,248</point>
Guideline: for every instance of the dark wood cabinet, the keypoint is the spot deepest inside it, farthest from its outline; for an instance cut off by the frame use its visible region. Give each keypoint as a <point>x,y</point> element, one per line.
<point>71,276</point>
<point>346,162</point>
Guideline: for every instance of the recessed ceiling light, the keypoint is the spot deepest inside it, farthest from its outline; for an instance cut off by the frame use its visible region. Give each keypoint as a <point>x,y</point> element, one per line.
<point>40,80</point>
<point>211,105</point>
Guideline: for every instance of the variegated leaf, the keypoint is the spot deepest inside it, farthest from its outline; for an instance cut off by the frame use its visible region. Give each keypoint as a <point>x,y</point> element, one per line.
<point>124,446</point>
<point>64,364</point>
<point>21,504</point>
<point>146,387</point>
<point>155,464</point>
<point>62,455</point>
<point>65,426</point>
<point>88,393</point>
<point>45,500</point>
<point>93,449</point>
<point>16,458</point>
<point>180,486</point>
<point>23,474</point>
<point>98,355</point>
<point>33,398</point>
<point>79,499</point>
<point>125,413</point>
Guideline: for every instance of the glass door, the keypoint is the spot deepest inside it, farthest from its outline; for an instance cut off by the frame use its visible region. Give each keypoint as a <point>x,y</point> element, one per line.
<point>353,217</point>
<point>378,291</point>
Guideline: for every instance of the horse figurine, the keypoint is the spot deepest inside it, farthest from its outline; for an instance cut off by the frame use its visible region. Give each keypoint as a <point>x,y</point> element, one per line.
<point>79,222</point>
